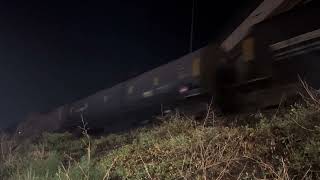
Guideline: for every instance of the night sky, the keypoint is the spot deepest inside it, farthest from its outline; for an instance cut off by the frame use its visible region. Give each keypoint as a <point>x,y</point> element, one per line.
<point>55,52</point>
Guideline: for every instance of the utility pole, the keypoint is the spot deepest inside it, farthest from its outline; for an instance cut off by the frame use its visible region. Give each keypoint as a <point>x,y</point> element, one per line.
<point>192,26</point>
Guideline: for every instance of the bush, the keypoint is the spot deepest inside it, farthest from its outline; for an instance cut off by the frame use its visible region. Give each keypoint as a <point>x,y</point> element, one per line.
<point>282,145</point>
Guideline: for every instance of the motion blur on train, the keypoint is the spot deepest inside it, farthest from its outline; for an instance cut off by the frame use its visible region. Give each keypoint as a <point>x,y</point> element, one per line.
<point>256,72</point>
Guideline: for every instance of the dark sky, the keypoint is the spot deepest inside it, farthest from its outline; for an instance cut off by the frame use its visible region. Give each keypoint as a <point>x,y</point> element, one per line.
<point>55,52</point>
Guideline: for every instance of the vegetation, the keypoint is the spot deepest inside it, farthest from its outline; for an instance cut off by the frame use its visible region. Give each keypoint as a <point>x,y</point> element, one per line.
<point>284,144</point>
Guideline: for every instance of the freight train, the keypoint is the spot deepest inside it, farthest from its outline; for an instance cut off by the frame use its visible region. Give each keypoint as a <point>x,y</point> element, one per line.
<point>258,71</point>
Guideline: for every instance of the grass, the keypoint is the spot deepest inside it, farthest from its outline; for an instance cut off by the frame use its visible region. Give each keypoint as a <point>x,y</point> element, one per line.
<point>279,145</point>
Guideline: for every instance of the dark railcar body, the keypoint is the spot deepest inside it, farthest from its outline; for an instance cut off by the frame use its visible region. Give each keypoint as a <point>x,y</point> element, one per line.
<point>37,123</point>
<point>274,54</point>
<point>158,89</point>
<point>163,83</point>
<point>276,50</point>
<point>139,98</point>
<point>288,45</point>
<point>103,108</point>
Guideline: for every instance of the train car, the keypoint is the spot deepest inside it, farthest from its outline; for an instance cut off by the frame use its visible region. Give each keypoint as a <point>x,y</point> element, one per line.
<point>276,52</point>
<point>288,45</point>
<point>141,97</point>
<point>102,109</point>
<point>165,84</point>
<point>37,123</point>
<point>256,73</point>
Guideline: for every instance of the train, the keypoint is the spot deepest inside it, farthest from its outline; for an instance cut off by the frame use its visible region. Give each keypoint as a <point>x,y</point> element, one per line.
<point>263,67</point>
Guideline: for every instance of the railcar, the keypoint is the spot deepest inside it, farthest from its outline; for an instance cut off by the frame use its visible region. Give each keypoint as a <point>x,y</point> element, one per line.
<point>277,52</point>
<point>263,67</point>
<point>139,98</point>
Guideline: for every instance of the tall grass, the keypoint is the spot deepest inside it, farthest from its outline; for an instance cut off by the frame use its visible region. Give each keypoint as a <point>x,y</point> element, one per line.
<point>275,145</point>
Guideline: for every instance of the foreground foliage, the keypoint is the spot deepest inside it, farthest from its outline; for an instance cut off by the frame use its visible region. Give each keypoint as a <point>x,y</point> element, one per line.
<point>280,145</point>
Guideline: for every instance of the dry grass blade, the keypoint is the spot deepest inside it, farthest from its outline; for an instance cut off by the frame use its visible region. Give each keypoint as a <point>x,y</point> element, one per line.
<point>146,168</point>
<point>106,176</point>
<point>305,175</point>
<point>312,96</point>
<point>9,148</point>
<point>66,171</point>
<point>244,167</point>
<point>208,112</point>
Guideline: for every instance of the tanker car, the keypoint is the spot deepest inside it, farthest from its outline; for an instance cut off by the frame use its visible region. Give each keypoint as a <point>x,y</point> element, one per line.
<point>257,72</point>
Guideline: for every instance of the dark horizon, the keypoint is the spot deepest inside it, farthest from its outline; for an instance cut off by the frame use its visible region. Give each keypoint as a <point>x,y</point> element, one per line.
<point>57,52</point>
